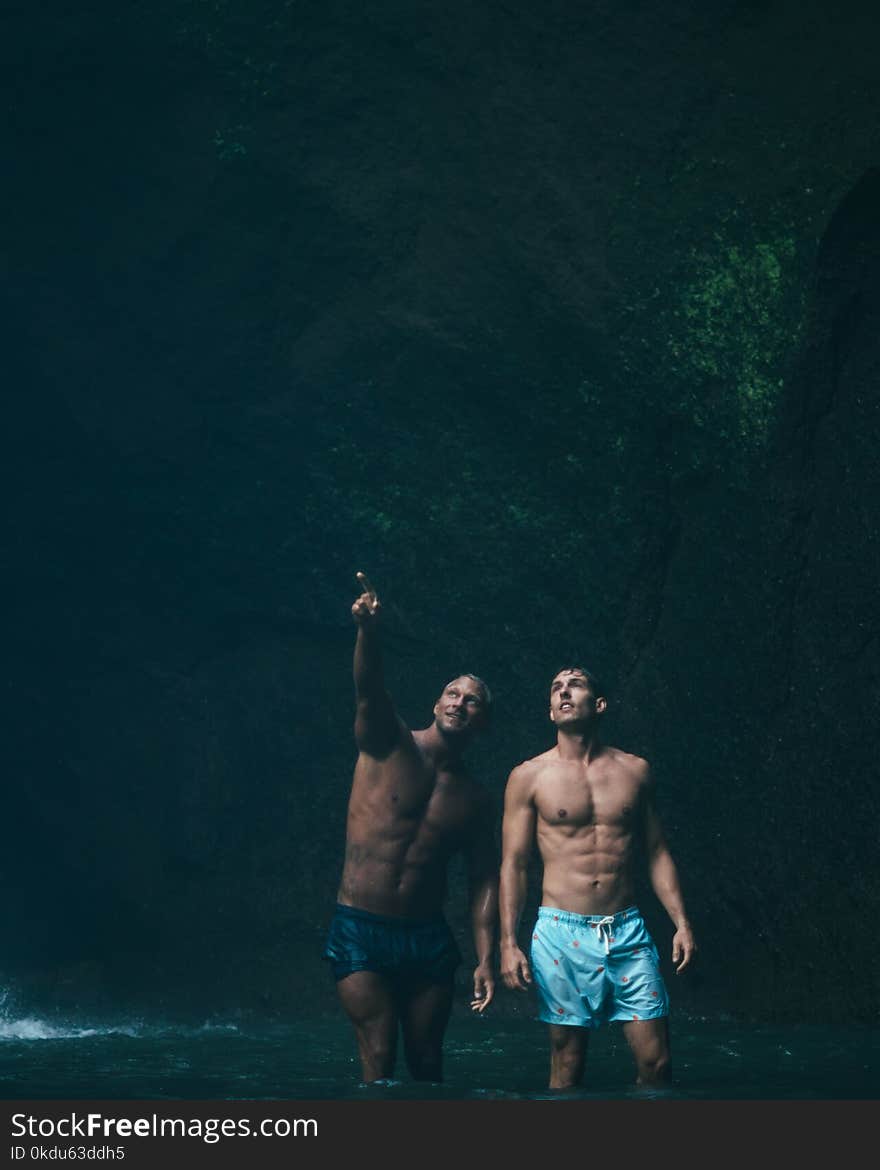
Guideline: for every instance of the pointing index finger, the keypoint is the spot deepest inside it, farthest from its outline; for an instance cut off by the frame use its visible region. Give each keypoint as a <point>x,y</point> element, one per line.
<point>365,584</point>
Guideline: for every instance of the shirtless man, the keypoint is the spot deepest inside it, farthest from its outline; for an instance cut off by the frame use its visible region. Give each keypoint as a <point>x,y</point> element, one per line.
<point>412,807</point>
<point>592,959</point>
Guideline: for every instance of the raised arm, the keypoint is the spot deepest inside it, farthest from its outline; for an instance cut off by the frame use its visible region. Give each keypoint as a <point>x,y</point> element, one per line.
<point>517,842</point>
<point>664,880</point>
<point>376,725</point>
<point>482,875</point>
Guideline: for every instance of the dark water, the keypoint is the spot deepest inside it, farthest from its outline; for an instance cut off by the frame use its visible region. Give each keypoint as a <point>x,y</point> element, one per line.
<point>486,1058</point>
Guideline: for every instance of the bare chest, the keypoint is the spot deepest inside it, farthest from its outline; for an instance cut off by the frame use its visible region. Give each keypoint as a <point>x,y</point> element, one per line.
<point>578,798</point>
<point>413,798</point>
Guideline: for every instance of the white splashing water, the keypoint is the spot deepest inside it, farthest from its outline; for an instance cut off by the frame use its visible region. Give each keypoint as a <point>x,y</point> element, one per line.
<point>18,1026</point>
<point>31,1028</point>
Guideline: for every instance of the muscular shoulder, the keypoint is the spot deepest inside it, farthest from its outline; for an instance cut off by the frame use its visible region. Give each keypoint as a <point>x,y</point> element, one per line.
<point>464,785</point>
<point>524,777</point>
<point>634,767</point>
<point>536,763</point>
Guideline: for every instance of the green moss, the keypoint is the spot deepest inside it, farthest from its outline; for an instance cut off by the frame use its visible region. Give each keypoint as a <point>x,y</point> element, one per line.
<point>737,319</point>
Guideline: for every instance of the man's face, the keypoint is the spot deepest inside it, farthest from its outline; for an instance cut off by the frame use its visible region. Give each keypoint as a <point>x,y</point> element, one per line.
<point>461,707</point>
<point>572,700</point>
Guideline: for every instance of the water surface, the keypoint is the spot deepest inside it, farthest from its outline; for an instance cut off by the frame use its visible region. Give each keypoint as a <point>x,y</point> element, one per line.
<point>485,1058</point>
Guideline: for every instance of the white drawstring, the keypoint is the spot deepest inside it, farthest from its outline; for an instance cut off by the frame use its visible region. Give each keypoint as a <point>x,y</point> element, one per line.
<point>604,928</point>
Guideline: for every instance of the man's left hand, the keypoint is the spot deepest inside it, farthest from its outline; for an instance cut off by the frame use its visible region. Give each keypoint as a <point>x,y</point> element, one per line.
<point>683,948</point>
<point>484,988</point>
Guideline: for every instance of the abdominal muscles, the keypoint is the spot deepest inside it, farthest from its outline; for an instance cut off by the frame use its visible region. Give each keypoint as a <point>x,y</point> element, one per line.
<point>397,874</point>
<point>588,871</point>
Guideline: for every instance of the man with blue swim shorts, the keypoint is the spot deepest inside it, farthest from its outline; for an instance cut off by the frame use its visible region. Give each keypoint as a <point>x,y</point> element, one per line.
<point>413,808</point>
<point>591,809</point>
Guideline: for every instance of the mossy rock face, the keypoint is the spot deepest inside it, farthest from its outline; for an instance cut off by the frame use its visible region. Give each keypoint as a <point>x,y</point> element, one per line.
<point>741,322</point>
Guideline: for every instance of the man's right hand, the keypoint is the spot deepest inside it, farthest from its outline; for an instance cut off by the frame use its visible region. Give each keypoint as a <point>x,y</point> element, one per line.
<point>366,608</point>
<point>515,969</point>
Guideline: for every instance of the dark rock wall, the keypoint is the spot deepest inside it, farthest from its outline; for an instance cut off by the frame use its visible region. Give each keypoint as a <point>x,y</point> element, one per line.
<point>561,322</point>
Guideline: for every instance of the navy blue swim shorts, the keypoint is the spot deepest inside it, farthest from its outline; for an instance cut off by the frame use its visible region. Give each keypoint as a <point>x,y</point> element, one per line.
<point>401,948</point>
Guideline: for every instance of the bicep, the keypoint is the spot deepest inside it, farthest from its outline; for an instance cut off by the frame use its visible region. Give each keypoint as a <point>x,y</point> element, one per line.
<point>518,823</point>
<point>652,827</point>
<point>377,726</point>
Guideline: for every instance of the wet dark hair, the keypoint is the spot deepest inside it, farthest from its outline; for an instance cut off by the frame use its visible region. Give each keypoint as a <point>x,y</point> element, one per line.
<point>595,685</point>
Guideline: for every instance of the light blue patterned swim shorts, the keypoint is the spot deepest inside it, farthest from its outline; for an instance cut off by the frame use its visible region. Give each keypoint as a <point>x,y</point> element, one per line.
<point>592,968</point>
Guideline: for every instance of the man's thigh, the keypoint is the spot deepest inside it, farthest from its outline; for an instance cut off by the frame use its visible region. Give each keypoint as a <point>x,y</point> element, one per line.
<point>424,1010</point>
<point>569,1040</point>
<point>648,1039</point>
<point>368,999</point>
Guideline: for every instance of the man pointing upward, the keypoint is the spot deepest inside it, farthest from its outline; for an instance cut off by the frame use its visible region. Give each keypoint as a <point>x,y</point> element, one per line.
<point>413,807</point>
